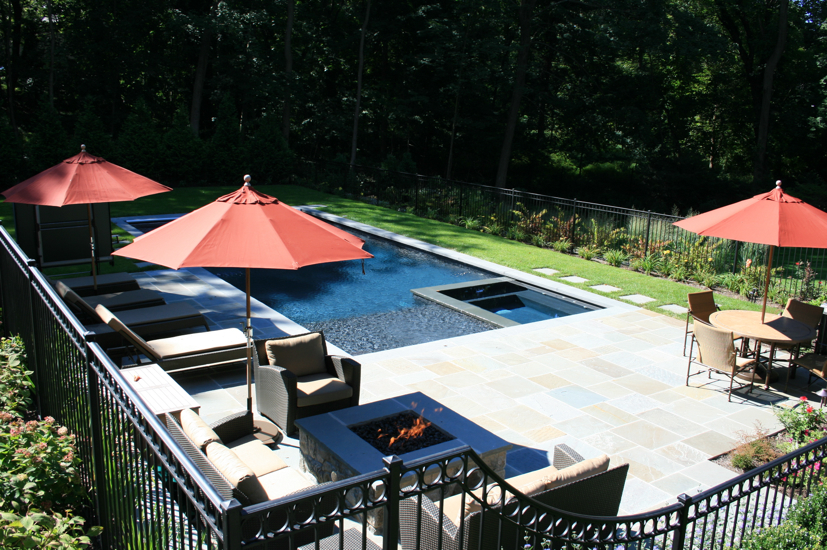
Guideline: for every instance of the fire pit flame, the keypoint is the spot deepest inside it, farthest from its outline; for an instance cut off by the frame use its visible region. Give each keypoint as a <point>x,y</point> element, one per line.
<point>401,433</point>
<point>418,428</point>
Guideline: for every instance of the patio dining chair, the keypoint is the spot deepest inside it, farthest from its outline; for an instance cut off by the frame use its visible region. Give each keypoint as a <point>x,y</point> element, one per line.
<point>181,352</point>
<point>701,306</point>
<point>815,364</point>
<point>296,378</point>
<point>716,352</point>
<point>805,313</point>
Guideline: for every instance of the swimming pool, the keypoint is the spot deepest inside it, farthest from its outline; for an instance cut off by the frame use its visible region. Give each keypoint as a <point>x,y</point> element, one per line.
<point>370,312</point>
<point>393,303</point>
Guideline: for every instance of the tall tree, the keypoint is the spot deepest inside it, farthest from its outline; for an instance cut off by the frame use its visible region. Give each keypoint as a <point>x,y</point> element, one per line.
<point>357,110</point>
<point>288,68</point>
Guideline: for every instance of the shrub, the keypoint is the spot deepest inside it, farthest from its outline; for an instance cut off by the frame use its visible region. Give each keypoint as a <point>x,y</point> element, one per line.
<point>804,423</point>
<point>786,536</point>
<point>811,513</point>
<point>38,466</point>
<point>40,530</point>
<point>648,264</point>
<point>587,252</point>
<point>471,222</point>
<point>537,240</point>
<point>563,245</point>
<point>615,257</point>
<point>15,384</point>
<point>754,450</point>
<point>527,222</point>
<point>494,227</point>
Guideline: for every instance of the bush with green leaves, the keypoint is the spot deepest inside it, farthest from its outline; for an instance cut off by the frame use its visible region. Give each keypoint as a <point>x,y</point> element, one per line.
<point>563,245</point>
<point>785,536</point>
<point>587,252</point>
<point>15,384</point>
<point>41,530</point>
<point>648,264</point>
<point>38,466</point>
<point>615,257</point>
<point>811,513</point>
<point>803,422</point>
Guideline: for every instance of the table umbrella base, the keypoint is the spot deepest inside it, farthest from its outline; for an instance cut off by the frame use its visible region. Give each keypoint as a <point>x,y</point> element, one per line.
<point>267,432</point>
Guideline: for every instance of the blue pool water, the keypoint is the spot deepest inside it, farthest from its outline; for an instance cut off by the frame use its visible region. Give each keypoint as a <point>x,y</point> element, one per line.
<point>370,312</point>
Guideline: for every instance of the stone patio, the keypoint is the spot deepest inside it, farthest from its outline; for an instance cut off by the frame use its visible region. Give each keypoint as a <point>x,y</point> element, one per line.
<point>609,381</point>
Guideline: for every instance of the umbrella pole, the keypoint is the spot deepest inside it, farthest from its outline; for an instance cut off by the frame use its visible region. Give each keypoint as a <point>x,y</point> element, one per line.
<point>92,244</point>
<point>249,333</point>
<point>767,284</point>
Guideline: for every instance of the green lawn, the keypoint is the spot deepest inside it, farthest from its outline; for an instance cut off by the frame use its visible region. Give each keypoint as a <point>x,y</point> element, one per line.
<point>496,249</point>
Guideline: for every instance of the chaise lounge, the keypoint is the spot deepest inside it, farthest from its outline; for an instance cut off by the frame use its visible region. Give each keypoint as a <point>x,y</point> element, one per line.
<point>181,352</point>
<point>107,283</point>
<point>115,302</point>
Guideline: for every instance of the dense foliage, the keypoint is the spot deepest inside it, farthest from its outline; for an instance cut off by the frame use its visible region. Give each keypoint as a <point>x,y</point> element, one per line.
<point>652,103</point>
<point>40,491</point>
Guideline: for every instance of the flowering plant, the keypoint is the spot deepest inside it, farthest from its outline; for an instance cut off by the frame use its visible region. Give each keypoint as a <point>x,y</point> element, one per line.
<point>38,465</point>
<point>803,422</point>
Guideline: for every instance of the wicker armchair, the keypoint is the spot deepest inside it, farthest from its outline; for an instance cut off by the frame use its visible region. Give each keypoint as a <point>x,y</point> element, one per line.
<point>424,525</point>
<point>296,378</point>
<point>701,306</point>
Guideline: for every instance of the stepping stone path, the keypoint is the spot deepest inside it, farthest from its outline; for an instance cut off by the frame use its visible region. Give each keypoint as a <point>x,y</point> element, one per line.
<point>674,309</point>
<point>605,288</point>
<point>638,298</point>
<point>546,270</point>
<point>574,279</point>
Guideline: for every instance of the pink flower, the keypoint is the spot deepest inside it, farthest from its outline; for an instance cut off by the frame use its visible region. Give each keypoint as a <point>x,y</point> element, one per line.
<point>803,398</point>
<point>809,409</point>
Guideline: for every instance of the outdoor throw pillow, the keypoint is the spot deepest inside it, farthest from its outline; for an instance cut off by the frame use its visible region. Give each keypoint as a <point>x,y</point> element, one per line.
<point>237,473</point>
<point>197,430</point>
<point>302,355</point>
<point>579,471</point>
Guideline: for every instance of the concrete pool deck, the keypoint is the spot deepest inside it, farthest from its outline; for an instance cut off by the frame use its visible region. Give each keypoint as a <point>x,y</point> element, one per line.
<point>609,381</point>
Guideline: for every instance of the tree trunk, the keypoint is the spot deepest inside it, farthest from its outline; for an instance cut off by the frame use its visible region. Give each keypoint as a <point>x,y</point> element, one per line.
<point>359,87</point>
<point>13,58</point>
<point>288,69</point>
<point>764,117</point>
<point>201,74</point>
<point>456,107</point>
<point>51,53</point>
<point>526,8</point>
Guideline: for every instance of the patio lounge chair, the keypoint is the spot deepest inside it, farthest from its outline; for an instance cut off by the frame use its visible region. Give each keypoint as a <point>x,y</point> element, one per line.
<point>296,378</point>
<point>587,487</point>
<point>107,284</point>
<point>182,352</point>
<point>716,351</point>
<point>131,299</point>
<point>166,320</point>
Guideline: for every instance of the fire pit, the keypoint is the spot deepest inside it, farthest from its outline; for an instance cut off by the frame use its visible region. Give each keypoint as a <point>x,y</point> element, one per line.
<point>331,449</point>
<point>401,433</point>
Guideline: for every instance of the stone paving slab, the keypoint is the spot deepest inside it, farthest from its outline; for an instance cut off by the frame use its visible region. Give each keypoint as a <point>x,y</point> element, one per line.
<point>574,279</point>
<point>638,298</point>
<point>605,288</point>
<point>674,309</point>
<point>546,270</point>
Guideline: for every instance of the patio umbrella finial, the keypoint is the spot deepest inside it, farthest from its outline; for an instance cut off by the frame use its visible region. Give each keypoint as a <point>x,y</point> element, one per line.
<point>778,184</point>
<point>247,179</point>
<point>82,148</point>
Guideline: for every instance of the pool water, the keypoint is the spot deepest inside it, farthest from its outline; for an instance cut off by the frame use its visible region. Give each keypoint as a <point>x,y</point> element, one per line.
<point>370,312</point>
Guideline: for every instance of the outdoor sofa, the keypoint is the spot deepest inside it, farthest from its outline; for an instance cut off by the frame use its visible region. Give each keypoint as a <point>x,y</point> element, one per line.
<point>242,467</point>
<point>296,378</point>
<point>572,484</point>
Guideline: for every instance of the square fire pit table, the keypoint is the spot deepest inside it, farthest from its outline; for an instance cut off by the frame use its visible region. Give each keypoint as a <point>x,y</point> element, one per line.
<point>331,451</point>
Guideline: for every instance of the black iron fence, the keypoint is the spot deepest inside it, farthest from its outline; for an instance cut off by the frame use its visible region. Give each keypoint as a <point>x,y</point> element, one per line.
<point>543,220</point>
<point>147,493</point>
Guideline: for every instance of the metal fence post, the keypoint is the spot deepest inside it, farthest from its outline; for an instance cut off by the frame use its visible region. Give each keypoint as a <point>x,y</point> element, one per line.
<point>460,200</point>
<point>95,412</point>
<point>31,345</point>
<point>391,524</point>
<point>683,521</point>
<point>231,518</point>
<point>416,195</point>
<point>648,226</point>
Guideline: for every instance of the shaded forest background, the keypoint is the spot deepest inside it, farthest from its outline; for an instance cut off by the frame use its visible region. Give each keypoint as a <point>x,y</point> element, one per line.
<point>658,104</point>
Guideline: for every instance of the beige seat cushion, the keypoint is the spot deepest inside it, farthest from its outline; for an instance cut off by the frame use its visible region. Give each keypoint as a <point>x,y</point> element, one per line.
<point>197,430</point>
<point>302,355</point>
<point>315,389</point>
<point>283,482</point>
<point>255,454</point>
<point>579,471</point>
<point>199,342</point>
<point>528,484</point>
<point>237,473</point>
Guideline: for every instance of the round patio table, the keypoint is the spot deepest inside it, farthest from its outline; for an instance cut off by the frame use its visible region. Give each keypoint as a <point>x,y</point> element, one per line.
<point>773,331</point>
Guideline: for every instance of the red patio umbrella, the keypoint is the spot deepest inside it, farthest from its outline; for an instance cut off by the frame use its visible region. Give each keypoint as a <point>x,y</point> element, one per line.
<point>773,218</point>
<point>83,179</point>
<point>246,229</point>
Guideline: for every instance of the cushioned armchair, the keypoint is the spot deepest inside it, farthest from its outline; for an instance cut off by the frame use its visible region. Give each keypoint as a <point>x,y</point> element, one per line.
<point>296,378</point>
